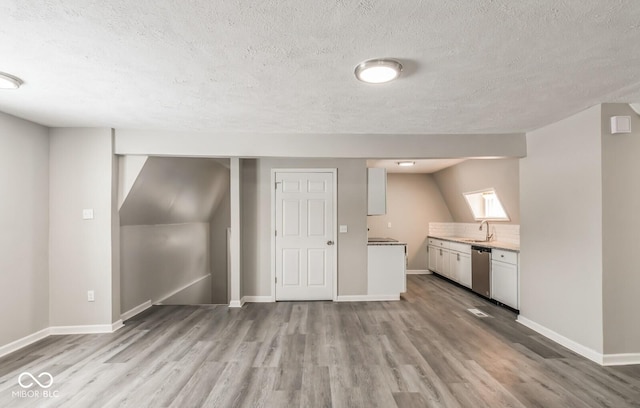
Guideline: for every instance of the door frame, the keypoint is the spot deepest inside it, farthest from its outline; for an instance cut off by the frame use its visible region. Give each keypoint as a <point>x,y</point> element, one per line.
<point>334,174</point>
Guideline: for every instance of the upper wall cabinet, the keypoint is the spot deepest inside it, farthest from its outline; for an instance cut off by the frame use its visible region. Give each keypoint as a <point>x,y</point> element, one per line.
<point>376,191</point>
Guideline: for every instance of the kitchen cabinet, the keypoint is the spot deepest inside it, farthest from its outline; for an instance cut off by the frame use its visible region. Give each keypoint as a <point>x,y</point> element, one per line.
<point>386,270</point>
<point>376,191</point>
<point>450,259</point>
<point>460,266</point>
<point>504,277</point>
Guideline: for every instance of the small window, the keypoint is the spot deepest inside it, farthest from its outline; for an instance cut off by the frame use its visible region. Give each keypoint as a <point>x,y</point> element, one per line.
<point>485,205</point>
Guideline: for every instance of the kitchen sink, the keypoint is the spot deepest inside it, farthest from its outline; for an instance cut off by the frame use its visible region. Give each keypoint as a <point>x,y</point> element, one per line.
<point>476,240</point>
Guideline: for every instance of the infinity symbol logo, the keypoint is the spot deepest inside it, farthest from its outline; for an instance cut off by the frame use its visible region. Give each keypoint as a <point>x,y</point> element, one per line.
<point>28,384</point>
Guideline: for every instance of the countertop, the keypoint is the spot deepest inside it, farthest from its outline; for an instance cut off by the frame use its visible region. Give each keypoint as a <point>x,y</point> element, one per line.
<point>384,241</point>
<point>491,244</point>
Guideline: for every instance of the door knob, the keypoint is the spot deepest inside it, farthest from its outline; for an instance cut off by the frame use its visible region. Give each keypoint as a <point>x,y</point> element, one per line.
<point>330,242</point>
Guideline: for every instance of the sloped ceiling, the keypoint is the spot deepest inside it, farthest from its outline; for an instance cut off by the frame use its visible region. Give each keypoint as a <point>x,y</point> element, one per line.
<point>176,190</point>
<point>285,66</point>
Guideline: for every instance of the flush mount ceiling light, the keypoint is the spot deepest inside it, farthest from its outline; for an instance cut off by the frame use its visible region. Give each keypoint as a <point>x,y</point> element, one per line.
<point>406,163</point>
<point>9,81</point>
<point>378,71</point>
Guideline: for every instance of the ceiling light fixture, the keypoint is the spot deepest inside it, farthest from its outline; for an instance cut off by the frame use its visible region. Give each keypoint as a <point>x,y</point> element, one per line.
<point>378,71</point>
<point>9,81</point>
<point>406,163</point>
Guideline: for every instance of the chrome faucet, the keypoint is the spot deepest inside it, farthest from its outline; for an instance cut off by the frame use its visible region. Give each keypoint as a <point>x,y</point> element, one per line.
<point>488,236</point>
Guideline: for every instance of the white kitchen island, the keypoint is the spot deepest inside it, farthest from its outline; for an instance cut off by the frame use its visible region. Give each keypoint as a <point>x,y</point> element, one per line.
<point>387,269</point>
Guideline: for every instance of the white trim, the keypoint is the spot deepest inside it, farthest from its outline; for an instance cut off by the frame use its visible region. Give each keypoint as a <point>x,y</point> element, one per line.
<point>334,172</point>
<point>235,179</point>
<point>86,329</point>
<point>257,299</point>
<point>162,299</point>
<point>236,303</point>
<point>24,341</point>
<point>44,333</point>
<point>418,272</point>
<point>621,359</point>
<point>562,340</point>
<point>368,298</point>
<point>117,325</point>
<point>134,311</point>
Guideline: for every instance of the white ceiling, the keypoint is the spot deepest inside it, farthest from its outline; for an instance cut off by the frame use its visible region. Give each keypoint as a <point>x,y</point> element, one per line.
<point>420,166</point>
<point>285,66</point>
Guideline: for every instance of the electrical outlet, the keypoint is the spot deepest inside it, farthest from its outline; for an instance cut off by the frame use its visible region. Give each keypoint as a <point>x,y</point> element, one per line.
<point>388,225</point>
<point>91,296</point>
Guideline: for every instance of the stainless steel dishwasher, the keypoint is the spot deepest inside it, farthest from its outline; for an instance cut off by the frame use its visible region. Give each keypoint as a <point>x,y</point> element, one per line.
<point>481,270</point>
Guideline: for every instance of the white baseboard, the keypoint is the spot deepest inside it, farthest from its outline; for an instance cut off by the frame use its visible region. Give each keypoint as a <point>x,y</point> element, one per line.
<point>87,329</point>
<point>257,299</point>
<point>236,303</point>
<point>367,298</point>
<point>418,272</point>
<point>621,359</point>
<point>115,326</point>
<point>167,296</point>
<point>136,310</point>
<point>24,342</point>
<point>562,340</point>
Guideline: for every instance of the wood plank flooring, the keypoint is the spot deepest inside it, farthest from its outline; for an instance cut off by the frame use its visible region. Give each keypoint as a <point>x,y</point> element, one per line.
<point>424,351</point>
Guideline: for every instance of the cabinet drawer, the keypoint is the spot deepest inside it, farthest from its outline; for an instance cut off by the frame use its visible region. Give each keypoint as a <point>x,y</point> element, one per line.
<point>439,243</point>
<point>504,256</point>
<point>464,248</point>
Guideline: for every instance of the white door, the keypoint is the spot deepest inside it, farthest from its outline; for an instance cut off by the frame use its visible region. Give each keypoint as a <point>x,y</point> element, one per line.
<point>305,235</point>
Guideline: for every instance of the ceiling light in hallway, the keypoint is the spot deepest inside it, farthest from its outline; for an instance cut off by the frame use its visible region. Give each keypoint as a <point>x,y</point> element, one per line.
<point>378,71</point>
<point>9,81</point>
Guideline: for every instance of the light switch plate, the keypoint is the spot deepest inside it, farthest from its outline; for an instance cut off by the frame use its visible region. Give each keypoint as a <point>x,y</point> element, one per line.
<point>344,229</point>
<point>91,296</point>
<point>87,214</point>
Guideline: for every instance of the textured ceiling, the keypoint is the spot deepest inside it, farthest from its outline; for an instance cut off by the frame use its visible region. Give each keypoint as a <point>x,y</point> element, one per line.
<point>286,66</point>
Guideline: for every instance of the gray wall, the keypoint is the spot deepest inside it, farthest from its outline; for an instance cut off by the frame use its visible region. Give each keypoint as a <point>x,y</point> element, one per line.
<point>364,146</point>
<point>164,243</point>
<point>413,201</point>
<point>474,175</point>
<point>24,228</point>
<point>561,229</point>
<point>81,253</point>
<point>620,228</point>
<point>159,259</point>
<point>352,211</point>
<point>251,270</point>
<point>219,221</point>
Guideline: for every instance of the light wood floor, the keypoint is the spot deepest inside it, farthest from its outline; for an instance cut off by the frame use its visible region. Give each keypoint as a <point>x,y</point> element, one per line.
<point>424,351</point>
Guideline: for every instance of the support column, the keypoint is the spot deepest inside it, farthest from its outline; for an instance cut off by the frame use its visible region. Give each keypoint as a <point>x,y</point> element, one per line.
<point>234,250</point>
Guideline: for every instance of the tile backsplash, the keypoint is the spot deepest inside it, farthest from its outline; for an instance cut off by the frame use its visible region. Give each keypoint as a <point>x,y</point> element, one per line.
<point>508,233</point>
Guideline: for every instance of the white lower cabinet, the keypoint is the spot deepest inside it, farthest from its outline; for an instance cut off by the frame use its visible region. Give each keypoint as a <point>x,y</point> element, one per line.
<point>442,262</point>
<point>504,278</point>
<point>387,270</point>
<point>433,258</point>
<point>460,266</point>
<point>450,259</point>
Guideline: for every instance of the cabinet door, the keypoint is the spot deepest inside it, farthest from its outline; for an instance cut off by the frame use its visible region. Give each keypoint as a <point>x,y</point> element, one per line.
<point>433,259</point>
<point>504,283</point>
<point>460,265</point>
<point>376,191</point>
<point>465,270</point>
<point>454,266</point>
<point>443,262</point>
